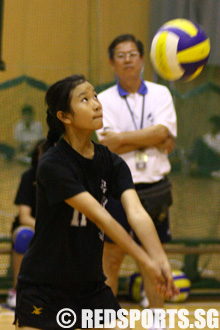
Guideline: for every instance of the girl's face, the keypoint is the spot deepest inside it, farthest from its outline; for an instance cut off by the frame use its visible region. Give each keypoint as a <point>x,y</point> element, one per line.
<point>86,110</point>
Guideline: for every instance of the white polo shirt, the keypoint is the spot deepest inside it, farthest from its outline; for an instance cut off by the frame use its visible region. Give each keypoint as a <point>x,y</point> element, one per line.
<point>213,141</point>
<point>28,136</point>
<point>158,109</point>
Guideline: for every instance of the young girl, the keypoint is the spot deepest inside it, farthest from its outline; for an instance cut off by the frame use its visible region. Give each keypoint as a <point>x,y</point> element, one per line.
<point>63,265</point>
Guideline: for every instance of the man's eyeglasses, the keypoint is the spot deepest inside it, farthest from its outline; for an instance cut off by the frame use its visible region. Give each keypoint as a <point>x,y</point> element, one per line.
<point>131,55</point>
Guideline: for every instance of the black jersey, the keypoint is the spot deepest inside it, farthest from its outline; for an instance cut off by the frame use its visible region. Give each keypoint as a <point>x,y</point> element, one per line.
<point>67,247</point>
<point>26,194</point>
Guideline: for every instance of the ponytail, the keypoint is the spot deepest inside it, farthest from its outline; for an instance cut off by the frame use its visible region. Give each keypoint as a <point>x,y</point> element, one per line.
<point>56,129</point>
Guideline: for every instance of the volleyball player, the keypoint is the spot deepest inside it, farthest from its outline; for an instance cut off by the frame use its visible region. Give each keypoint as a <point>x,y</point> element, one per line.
<point>63,264</point>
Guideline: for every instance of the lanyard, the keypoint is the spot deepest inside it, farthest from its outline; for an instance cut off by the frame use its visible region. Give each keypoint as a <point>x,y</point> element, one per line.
<point>132,113</point>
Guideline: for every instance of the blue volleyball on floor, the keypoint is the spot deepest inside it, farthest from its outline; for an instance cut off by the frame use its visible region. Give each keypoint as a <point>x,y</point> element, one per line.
<point>179,50</point>
<point>135,287</point>
<point>184,285</point>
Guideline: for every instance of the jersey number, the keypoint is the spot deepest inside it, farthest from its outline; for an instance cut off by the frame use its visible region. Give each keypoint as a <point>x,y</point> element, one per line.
<point>78,220</point>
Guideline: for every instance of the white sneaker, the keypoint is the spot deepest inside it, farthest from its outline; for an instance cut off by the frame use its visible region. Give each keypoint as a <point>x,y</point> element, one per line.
<point>216,174</point>
<point>11,299</point>
<point>155,328</point>
<point>144,300</point>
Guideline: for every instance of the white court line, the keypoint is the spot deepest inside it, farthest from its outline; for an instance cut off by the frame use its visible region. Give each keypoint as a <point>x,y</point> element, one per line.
<point>6,313</point>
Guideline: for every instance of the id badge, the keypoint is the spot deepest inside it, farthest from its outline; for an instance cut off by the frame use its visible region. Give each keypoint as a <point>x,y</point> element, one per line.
<point>141,159</point>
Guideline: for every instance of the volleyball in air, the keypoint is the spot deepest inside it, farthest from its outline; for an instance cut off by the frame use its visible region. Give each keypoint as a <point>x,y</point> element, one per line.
<point>183,284</point>
<point>179,50</point>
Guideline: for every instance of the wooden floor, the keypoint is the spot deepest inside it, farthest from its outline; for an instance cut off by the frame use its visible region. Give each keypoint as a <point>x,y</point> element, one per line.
<point>7,315</point>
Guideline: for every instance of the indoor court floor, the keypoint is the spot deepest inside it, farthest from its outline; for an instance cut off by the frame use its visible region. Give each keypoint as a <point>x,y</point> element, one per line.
<point>7,315</point>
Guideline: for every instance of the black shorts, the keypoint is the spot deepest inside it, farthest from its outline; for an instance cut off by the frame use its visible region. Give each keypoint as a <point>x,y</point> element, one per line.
<point>38,306</point>
<point>156,198</point>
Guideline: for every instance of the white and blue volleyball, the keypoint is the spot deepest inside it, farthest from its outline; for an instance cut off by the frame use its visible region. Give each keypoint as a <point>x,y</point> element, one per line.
<point>183,284</point>
<point>179,50</point>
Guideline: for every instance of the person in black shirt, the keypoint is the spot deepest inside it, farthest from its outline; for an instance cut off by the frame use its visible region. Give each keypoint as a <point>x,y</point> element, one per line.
<point>63,264</point>
<point>23,224</point>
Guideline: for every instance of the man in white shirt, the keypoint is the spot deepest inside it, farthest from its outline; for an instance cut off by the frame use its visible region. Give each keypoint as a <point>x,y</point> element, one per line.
<point>140,125</point>
<point>27,132</point>
<point>205,153</point>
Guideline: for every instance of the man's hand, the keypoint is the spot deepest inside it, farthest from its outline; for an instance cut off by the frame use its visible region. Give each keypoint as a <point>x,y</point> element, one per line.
<point>111,140</point>
<point>167,145</point>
